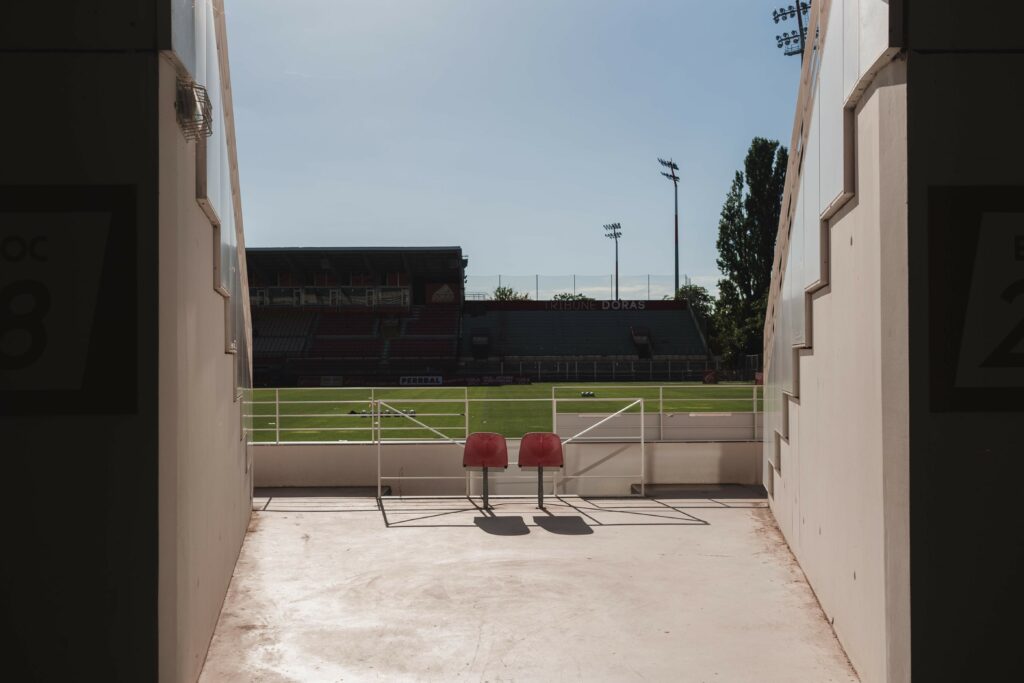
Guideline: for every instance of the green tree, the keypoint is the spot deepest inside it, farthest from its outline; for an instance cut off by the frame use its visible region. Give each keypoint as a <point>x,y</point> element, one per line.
<point>703,306</point>
<point>746,248</point>
<point>508,294</point>
<point>569,296</point>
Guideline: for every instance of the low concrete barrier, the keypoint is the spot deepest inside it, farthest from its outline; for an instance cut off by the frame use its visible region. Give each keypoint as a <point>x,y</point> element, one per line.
<point>587,465</point>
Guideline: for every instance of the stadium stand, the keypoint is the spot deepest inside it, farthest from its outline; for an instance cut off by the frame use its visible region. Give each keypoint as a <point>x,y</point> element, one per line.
<point>512,333</point>
<point>392,315</point>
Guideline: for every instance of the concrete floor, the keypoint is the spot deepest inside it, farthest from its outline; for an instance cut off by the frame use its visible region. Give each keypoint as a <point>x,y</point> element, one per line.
<point>669,589</point>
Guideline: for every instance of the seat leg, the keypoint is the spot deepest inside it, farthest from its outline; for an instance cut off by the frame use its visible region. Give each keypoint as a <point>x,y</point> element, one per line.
<point>540,488</point>
<point>487,505</point>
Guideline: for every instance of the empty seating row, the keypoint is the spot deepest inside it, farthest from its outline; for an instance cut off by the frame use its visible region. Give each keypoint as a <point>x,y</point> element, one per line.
<point>433,320</point>
<point>582,333</point>
<point>278,346</point>
<point>422,348</point>
<point>339,323</point>
<point>324,347</point>
<point>281,322</point>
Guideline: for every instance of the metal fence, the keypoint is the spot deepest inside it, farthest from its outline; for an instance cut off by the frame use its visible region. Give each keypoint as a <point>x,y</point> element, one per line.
<point>546,287</point>
<point>675,412</point>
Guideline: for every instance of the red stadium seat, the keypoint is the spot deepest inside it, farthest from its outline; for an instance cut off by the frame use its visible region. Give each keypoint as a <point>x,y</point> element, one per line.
<point>485,450</point>
<point>540,450</point>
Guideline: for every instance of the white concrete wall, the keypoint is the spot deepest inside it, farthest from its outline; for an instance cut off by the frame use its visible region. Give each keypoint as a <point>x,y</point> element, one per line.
<point>205,477</point>
<point>836,395</point>
<point>356,465</point>
<point>839,491</point>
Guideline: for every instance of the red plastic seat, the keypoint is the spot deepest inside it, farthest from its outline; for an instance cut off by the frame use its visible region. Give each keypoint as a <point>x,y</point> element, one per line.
<point>541,449</point>
<point>485,449</point>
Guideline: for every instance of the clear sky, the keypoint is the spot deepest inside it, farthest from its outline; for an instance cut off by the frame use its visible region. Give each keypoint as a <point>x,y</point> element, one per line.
<point>512,128</point>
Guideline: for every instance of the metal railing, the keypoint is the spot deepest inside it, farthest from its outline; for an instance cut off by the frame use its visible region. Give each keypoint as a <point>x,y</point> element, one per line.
<point>333,415</point>
<point>469,475</point>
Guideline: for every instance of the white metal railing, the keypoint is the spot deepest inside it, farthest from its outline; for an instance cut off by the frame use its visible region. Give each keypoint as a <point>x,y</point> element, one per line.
<point>287,416</point>
<point>469,475</point>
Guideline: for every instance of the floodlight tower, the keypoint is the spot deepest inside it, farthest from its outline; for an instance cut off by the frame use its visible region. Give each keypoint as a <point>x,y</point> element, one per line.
<point>614,231</point>
<point>793,42</point>
<point>673,167</point>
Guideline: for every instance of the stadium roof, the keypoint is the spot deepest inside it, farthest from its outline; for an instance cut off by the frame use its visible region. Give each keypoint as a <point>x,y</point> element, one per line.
<point>424,261</point>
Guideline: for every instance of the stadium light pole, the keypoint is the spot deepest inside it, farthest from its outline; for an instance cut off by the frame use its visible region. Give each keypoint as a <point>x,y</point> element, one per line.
<point>614,231</point>
<point>793,42</point>
<point>673,167</point>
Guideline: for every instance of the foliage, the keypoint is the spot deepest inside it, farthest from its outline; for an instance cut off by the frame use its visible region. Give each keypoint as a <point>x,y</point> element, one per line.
<point>746,246</point>
<point>569,296</point>
<point>508,294</point>
<point>703,306</point>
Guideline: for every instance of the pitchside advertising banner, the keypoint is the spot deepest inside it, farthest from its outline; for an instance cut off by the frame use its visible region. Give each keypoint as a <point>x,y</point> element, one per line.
<point>421,380</point>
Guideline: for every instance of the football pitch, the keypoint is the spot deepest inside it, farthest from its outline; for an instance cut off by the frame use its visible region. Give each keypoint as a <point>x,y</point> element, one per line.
<point>345,414</point>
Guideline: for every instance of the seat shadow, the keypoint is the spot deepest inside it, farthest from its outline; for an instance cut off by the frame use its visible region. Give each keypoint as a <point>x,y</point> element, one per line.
<point>567,525</point>
<point>502,526</point>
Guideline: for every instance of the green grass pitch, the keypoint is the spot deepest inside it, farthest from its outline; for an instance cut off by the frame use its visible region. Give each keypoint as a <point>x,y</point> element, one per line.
<point>342,414</point>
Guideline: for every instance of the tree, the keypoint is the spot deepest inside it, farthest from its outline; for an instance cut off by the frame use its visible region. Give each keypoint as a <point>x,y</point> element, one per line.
<point>703,306</point>
<point>746,248</point>
<point>569,296</point>
<point>509,294</point>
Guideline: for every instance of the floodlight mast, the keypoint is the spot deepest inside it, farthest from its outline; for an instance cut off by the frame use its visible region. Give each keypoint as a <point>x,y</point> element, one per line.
<point>614,231</point>
<point>673,167</point>
<point>793,42</point>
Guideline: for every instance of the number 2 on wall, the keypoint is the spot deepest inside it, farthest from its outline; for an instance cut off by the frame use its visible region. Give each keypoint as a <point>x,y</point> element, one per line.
<point>1004,355</point>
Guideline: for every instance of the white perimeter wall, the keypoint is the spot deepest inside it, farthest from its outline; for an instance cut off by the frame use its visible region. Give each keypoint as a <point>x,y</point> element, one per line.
<point>205,480</point>
<point>356,465</point>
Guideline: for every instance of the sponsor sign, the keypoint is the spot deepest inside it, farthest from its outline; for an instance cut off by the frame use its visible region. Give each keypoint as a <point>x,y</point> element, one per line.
<point>620,305</point>
<point>496,380</point>
<point>421,380</point>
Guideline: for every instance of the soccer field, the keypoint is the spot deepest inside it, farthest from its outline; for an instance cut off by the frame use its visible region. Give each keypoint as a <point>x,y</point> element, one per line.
<point>344,414</point>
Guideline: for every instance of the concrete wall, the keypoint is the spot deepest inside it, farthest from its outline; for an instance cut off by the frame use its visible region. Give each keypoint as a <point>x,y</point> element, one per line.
<point>205,478</point>
<point>205,472</point>
<point>966,218</point>
<point>836,422</point>
<point>356,465</point>
<point>78,584</point>
<point>840,493</point>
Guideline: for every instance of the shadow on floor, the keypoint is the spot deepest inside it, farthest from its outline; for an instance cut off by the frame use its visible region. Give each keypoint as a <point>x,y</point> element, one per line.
<point>706,491</point>
<point>502,526</point>
<point>567,526</point>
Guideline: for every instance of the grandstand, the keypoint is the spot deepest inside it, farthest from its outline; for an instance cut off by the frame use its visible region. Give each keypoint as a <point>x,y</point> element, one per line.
<point>585,330</point>
<point>378,316</point>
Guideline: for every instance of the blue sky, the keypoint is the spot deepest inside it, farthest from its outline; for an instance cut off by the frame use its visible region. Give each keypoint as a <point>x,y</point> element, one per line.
<point>513,128</point>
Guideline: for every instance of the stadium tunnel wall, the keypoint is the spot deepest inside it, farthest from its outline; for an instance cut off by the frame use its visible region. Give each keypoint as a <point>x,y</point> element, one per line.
<point>893,383</point>
<point>124,434</point>
<point>836,400</point>
<point>205,474</point>
<point>318,464</point>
